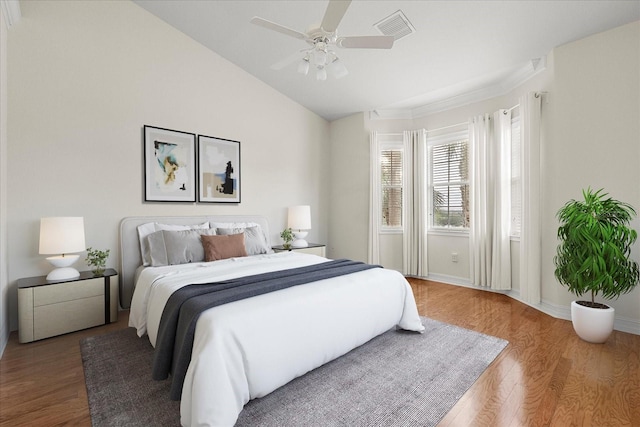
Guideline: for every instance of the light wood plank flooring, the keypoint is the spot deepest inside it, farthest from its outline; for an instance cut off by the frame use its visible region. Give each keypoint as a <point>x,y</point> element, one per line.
<point>545,377</point>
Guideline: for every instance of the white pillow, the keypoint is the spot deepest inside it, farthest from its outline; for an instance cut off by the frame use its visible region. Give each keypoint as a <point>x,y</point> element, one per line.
<point>145,229</point>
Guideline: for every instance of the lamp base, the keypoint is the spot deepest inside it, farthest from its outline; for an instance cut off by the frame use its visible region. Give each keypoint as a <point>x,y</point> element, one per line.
<point>299,242</point>
<point>63,273</point>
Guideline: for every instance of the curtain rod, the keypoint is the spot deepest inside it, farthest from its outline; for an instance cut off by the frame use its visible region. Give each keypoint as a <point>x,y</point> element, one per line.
<point>538,94</point>
<point>447,127</point>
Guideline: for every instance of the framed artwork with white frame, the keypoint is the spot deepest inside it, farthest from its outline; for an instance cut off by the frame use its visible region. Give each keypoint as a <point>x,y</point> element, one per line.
<point>218,170</point>
<point>169,165</point>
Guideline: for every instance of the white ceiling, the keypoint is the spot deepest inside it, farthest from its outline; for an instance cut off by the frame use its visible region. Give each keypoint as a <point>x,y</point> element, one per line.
<point>459,47</point>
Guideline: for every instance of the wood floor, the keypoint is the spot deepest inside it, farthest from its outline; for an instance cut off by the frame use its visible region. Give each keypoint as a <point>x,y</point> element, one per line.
<point>545,377</point>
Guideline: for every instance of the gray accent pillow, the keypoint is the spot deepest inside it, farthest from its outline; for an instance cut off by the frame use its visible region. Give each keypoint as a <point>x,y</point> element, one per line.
<point>254,241</point>
<point>145,229</point>
<point>177,247</point>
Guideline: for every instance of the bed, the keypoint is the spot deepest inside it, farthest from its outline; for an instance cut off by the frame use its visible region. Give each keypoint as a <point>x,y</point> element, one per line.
<point>246,349</point>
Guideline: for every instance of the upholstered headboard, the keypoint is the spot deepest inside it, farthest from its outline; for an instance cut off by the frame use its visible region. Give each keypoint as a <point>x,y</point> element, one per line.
<point>131,258</point>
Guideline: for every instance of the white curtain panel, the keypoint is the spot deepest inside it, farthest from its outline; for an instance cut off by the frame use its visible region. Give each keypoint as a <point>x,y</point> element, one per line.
<point>414,235</point>
<point>481,200</point>
<point>490,188</point>
<point>501,167</point>
<point>374,199</point>
<point>530,235</point>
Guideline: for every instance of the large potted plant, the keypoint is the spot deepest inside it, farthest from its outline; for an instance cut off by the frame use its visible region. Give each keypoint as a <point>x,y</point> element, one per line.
<point>593,257</point>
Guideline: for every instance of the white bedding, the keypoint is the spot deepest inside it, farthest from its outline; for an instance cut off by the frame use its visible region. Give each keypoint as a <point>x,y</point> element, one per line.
<point>248,348</point>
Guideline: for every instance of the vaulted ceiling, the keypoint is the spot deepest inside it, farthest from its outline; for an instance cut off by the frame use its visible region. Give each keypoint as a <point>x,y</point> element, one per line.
<point>459,50</point>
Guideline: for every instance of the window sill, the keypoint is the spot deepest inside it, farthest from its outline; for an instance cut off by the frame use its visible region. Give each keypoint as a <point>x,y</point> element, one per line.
<point>446,232</point>
<point>390,231</point>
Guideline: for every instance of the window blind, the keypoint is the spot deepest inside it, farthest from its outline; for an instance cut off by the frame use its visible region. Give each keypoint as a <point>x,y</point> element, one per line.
<point>450,184</point>
<point>391,177</point>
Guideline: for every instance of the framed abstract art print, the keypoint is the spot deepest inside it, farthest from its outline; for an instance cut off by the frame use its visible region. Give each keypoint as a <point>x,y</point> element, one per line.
<point>218,170</point>
<point>169,165</point>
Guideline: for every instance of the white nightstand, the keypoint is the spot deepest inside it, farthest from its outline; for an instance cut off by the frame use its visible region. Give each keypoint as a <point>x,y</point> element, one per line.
<point>50,308</point>
<point>313,249</point>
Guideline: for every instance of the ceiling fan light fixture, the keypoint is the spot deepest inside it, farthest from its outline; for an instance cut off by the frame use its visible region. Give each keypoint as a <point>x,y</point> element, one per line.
<point>338,70</point>
<point>320,57</point>
<point>321,73</point>
<point>303,66</point>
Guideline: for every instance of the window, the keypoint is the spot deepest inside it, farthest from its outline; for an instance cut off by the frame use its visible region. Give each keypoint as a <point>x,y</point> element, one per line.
<point>449,184</point>
<point>391,184</point>
<point>516,178</point>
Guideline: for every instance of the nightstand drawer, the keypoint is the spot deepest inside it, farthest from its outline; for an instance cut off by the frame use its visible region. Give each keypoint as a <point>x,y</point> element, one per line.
<point>55,319</point>
<point>70,291</point>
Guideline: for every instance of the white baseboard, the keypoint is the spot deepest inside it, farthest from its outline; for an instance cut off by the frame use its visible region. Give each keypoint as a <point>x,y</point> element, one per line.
<point>450,280</point>
<point>623,324</point>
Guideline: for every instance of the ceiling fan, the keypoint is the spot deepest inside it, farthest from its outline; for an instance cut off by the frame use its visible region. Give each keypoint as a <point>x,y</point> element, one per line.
<point>322,39</point>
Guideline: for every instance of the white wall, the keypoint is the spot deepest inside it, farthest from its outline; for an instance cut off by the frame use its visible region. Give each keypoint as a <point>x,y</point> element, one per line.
<point>594,141</point>
<point>4,281</point>
<point>86,76</point>
<point>348,174</point>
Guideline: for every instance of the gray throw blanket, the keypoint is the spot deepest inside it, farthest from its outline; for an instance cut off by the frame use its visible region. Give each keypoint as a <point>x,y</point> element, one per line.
<point>178,322</point>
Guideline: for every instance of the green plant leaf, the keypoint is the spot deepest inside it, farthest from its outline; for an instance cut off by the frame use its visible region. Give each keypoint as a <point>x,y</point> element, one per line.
<point>595,246</point>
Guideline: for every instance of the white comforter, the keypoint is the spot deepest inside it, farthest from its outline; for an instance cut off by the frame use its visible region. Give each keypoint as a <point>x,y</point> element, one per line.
<point>248,348</point>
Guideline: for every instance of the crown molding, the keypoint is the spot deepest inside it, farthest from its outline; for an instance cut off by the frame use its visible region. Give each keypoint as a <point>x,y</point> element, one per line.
<point>11,11</point>
<point>391,114</point>
<point>499,88</point>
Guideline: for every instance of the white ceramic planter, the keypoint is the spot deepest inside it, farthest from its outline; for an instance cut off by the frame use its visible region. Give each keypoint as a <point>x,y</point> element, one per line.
<point>592,324</point>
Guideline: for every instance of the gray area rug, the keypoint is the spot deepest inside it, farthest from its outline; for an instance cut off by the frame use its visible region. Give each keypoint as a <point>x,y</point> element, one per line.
<point>397,379</point>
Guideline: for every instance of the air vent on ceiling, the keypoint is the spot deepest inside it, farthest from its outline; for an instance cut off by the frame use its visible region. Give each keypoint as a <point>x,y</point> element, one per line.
<point>396,25</point>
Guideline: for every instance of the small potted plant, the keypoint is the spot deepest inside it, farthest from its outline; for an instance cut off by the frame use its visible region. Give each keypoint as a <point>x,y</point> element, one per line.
<point>287,236</point>
<point>594,257</point>
<point>97,259</point>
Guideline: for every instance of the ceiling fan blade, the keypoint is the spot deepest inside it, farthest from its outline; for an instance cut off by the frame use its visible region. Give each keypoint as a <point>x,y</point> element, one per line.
<point>333,15</point>
<point>366,42</point>
<point>277,27</point>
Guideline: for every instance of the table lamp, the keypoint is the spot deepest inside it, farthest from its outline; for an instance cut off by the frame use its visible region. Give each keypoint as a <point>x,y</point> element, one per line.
<point>62,236</point>
<point>299,221</point>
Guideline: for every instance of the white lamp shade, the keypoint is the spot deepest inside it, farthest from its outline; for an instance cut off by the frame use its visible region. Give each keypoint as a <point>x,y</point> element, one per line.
<point>299,220</point>
<point>338,69</point>
<point>61,235</point>
<point>299,217</point>
<point>321,74</point>
<point>303,67</point>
